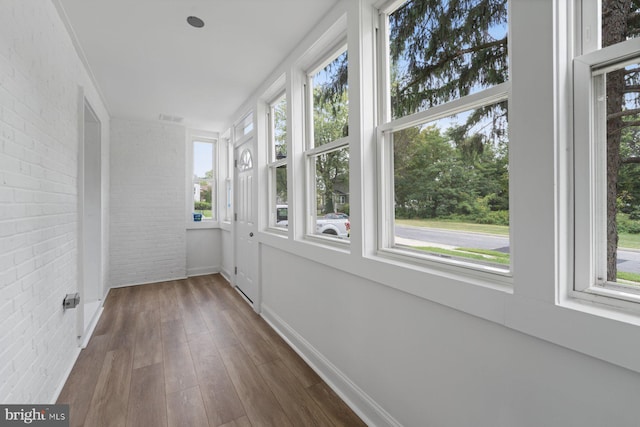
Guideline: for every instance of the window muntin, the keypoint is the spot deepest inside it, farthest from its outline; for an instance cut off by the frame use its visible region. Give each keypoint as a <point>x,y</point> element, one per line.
<point>444,137</point>
<point>328,148</point>
<point>440,51</point>
<point>204,179</point>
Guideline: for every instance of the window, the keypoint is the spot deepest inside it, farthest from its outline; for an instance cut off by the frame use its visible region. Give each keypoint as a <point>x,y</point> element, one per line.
<point>278,200</point>
<point>204,180</point>
<point>444,132</point>
<point>607,146</point>
<point>327,150</point>
<point>244,127</point>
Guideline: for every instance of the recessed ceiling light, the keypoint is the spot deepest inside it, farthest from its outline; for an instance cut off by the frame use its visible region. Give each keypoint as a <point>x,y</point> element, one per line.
<point>196,22</point>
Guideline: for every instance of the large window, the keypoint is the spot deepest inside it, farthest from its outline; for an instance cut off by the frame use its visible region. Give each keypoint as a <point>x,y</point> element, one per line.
<point>327,149</point>
<point>607,145</point>
<point>278,198</point>
<point>204,180</point>
<point>443,124</point>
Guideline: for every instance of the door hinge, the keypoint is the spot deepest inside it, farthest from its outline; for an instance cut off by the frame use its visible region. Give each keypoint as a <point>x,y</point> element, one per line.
<point>235,163</point>
<point>235,270</point>
<point>235,216</point>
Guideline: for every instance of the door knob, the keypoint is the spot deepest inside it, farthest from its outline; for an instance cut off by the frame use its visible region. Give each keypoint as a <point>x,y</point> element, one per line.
<point>251,234</point>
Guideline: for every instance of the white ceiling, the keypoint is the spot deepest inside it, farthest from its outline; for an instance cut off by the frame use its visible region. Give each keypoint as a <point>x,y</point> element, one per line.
<point>148,61</point>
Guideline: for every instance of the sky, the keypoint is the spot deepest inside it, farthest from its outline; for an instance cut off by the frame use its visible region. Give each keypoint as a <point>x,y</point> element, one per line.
<point>202,158</point>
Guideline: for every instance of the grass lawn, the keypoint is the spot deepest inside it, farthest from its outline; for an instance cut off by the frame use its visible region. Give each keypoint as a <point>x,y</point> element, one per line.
<point>205,214</point>
<point>629,241</point>
<point>502,230</point>
<point>470,253</point>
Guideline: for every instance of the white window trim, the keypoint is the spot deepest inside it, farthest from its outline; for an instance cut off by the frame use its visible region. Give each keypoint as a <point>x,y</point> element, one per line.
<point>388,125</point>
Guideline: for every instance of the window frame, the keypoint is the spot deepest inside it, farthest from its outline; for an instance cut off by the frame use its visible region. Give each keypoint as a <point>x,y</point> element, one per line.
<point>311,152</point>
<point>590,177</point>
<point>387,125</point>
<point>214,140</point>
<point>274,163</point>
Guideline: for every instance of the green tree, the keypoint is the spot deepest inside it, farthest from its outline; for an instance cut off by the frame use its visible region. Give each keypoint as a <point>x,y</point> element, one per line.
<point>431,178</point>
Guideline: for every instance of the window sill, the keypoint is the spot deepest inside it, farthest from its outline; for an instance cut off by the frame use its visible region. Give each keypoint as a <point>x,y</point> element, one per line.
<point>343,244</point>
<point>198,225</point>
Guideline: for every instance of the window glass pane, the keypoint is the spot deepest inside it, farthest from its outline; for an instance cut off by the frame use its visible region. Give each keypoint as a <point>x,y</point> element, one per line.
<point>620,21</point>
<point>279,132</point>
<point>245,126</point>
<point>280,196</point>
<point>442,50</point>
<point>203,179</point>
<point>623,174</point>
<point>331,102</point>
<point>332,193</point>
<point>451,187</point>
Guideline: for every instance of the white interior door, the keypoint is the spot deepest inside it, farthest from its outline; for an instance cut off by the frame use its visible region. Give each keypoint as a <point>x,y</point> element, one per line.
<point>245,224</point>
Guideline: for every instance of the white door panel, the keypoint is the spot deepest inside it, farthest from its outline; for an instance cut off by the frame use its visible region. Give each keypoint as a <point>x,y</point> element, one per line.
<point>245,248</point>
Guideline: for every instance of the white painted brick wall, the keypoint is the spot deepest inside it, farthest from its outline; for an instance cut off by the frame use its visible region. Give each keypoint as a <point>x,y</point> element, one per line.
<point>39,77</point>
<point>148,196</point>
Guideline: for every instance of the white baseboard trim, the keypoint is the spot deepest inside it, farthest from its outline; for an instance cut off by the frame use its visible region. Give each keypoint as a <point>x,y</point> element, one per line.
<point>201,271</point>
<point>126,285</point>
<point>361,403</point>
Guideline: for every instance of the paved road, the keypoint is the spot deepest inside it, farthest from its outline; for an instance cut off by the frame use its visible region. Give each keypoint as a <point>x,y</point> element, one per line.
<point>628,261</point>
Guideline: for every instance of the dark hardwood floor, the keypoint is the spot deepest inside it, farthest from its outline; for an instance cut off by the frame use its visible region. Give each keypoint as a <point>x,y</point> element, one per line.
<point>193,353</point>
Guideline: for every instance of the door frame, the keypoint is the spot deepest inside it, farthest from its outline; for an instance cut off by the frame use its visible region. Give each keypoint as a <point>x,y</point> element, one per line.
<point>250,140</point>
<point>90,219</point>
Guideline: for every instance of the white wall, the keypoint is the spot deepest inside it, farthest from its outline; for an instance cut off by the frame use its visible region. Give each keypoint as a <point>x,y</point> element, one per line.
<point>428,365</point>
<point>40,75</point>
<point>204,251</point>
<point>148,199</point>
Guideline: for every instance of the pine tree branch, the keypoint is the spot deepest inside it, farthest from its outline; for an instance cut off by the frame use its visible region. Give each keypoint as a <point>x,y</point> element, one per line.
<point>624,125</point>
<point>449,58</point>
<point>623,113</point>
<point>630,160</point>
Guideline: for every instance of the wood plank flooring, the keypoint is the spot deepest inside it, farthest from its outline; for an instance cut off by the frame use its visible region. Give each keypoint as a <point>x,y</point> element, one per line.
<point>193,353</point>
